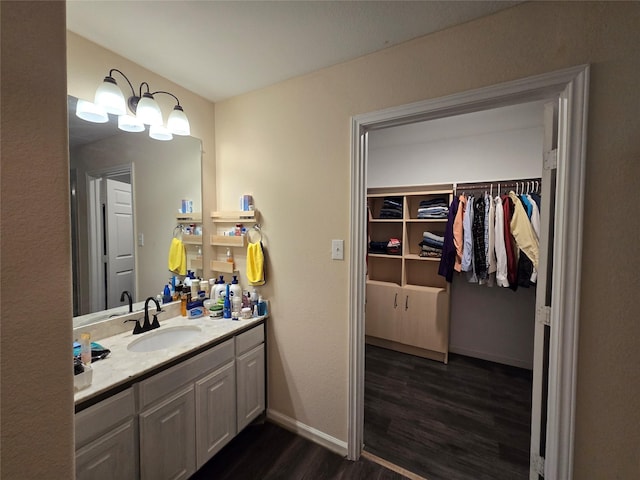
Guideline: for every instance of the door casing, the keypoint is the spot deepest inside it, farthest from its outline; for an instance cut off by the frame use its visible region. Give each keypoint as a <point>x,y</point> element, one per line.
<point>570,86</point>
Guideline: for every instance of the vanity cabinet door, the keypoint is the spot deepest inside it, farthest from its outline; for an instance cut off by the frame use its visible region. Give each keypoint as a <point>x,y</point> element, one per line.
<point>251,389</point>
<point>215,411</point>
<point>111,456</point>
<point>167,438</point>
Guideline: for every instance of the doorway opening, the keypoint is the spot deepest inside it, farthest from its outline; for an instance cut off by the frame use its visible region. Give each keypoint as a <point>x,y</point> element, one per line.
<point>111,243</point>
<point>557,320</point>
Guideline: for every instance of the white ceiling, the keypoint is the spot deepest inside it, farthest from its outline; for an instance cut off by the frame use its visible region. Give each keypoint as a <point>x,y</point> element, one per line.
<point>219,49</point>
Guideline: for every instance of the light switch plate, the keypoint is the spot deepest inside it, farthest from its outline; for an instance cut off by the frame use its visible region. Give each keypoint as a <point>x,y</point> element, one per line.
<point>141,239</point>
<point>337,249</point>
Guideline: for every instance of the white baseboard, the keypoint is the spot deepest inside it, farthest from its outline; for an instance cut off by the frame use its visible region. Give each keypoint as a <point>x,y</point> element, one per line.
<point>514,362</point>
<point>310,433</point>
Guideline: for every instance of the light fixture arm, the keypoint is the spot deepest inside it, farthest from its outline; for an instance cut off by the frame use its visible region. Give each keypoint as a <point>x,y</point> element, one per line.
<point>133,92</point>
<point>168,93</point>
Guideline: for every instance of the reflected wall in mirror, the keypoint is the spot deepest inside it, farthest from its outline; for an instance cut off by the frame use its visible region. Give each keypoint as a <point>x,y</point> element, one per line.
<point>126,190</point>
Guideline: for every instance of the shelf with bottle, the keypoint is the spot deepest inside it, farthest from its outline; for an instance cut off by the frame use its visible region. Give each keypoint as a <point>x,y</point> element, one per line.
<point>234,216</point>
<point>193,217</point>
<point>228,240</point>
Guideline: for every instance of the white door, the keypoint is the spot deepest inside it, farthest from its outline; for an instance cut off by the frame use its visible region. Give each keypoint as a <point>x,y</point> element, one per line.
<point>119,241</point>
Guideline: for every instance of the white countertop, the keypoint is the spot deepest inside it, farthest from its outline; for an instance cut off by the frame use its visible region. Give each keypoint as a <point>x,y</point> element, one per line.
<point>122,366</point>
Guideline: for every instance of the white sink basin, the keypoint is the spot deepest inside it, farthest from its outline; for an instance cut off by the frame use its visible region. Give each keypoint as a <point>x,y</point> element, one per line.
<point>164,337</point>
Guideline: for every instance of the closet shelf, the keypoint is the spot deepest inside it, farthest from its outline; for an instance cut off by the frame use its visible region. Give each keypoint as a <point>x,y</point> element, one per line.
<point>384,255</point>
<point>426,220</point>
<point>413,256</point>
<point>386,220</point>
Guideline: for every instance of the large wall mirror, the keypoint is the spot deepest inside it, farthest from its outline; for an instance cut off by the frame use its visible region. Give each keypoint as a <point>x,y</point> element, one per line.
<point>126,190</point>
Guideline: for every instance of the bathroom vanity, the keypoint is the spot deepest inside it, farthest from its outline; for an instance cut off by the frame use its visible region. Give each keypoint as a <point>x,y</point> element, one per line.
<point>163,414</point>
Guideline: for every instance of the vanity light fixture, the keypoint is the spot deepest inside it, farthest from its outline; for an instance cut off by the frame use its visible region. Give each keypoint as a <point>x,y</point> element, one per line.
<point>110,99</point>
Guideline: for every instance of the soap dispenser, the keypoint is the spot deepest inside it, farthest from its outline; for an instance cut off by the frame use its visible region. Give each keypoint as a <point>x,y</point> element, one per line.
<point>219,288</point>
<point>235,289</point>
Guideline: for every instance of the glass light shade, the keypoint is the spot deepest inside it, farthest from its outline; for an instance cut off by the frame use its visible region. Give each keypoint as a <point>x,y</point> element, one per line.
<point>159,132</point>
<point>129,123</point>
<point>178,123</point>
<point>110,97</point>
<point>90,112</point>
<point>148,111</point>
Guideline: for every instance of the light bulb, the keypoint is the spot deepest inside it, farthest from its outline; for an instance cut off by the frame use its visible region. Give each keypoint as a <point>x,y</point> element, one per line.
<point>91,112</point>
<point>148,111</point>
<point>129,123</point>
<point>178,124</point>
<point>159,132</point>
<point>110,97</point>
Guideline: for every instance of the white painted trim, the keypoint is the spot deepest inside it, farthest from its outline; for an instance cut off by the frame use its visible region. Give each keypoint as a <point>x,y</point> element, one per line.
<point>567,263</point>
<point>310,433</point>
<point>571,85</point>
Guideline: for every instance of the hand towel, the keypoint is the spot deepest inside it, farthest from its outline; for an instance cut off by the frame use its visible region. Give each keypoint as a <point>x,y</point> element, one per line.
<point>177,257</point>
<point>255,264</point>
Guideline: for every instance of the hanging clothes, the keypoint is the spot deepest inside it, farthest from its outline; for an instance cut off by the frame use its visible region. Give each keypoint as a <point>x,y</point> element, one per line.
<point>523,231</point>
<point>449,251</point>
<point>501,249</point>
<point>458,232</point>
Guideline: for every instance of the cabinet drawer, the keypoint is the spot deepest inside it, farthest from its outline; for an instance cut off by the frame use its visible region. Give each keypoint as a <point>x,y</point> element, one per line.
<point>102,417</point>
<point>249,339</point>
<point>169,380</point>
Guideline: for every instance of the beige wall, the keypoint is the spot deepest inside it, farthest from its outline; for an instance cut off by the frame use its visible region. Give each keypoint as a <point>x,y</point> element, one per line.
<point>289,145</point>
<point>35,339</point>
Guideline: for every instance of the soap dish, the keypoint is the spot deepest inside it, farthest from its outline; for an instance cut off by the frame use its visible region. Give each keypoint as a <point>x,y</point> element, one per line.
<point>83,380</point>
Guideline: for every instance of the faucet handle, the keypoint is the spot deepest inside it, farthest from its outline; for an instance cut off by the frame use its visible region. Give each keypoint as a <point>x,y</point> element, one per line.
<point>138,328</point>
<point>155,323</point>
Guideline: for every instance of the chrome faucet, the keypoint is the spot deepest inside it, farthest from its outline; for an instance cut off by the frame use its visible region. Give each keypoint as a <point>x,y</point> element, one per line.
<point>128,294</point>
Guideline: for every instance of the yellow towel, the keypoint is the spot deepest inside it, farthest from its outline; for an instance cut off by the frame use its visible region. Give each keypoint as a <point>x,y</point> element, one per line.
<point>177,257</point>
<point>255,264</point>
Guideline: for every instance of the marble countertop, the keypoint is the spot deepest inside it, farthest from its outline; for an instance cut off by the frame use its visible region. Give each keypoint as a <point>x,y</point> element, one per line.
<point>123,366</point>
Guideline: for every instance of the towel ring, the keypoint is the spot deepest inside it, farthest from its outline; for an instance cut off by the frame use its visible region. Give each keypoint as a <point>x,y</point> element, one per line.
<point>178,230</point>
<point>255,228</point>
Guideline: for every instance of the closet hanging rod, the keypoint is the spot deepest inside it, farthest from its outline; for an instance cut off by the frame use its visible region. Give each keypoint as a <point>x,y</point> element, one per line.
<point>532,184</point>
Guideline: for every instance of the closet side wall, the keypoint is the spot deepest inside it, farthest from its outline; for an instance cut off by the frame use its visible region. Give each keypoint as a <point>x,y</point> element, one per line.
<point>495,323</point>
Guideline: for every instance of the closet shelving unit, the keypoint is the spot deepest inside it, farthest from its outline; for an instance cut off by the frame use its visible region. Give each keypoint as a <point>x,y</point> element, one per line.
<point>407,302</point>
<point>221,219</point>
<point>182,219</point>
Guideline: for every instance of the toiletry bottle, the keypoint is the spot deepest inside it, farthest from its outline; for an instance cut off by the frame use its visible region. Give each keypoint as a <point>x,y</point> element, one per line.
<point>183,302</point>
<point>204,286</point>
<point>195,288</point>
<point>166,297</point>
<point>226,311</point>
<point>85,348</point>
<point>219,288</point>
<point>235,289</point>
<point>262,306</point>
<point>230,258</point>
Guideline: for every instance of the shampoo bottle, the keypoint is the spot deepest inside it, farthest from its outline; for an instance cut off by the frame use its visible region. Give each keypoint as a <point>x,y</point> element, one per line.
<point>226,310</point>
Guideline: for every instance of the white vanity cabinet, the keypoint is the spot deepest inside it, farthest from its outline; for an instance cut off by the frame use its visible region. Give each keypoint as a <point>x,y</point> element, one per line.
<point>106,439</point>
<point>250,375</point>
<point>182,411</point>
<point>169,424</point>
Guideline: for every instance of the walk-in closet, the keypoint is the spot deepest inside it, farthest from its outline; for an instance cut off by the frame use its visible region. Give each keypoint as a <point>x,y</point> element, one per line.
<point>449,364</point>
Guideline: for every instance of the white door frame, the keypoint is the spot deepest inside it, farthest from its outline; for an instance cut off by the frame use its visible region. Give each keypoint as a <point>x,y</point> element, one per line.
<point>571,86</point>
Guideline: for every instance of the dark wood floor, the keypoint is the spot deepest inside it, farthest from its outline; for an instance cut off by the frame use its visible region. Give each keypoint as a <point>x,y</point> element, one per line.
<point>264,451</point>
<point>468,420</point>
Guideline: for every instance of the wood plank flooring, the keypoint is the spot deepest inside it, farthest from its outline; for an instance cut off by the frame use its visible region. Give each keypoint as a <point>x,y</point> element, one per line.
<point>468,420</point>
<point>264,451</point>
